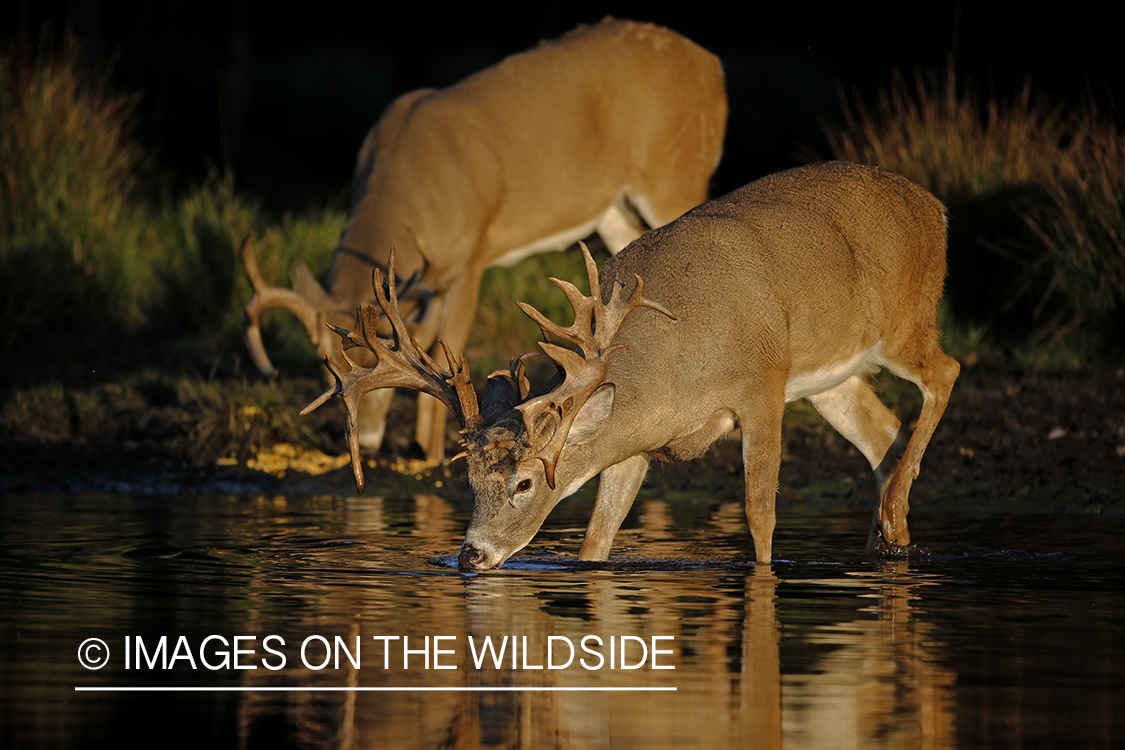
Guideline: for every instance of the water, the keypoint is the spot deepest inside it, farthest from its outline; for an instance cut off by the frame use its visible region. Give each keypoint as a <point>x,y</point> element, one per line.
<point>1011,636</point>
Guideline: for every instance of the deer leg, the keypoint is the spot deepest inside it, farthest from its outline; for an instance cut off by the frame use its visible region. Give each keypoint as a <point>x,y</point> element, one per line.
<point>934,378</point>
<point>373,418</point>
<point>458,309</point>
<point>761,459</point>
<point>429,426</point>
<point>662,200</point>
<point>853,409</point>
<point>375,406</point>
<point>617,488</point>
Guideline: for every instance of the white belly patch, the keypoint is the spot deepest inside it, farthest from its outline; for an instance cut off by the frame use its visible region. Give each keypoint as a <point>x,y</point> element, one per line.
<point>812,382</point>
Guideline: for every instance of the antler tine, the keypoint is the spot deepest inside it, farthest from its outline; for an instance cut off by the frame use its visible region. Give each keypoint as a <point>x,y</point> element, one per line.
<point>399,363</point>
<point>267,296</point>
<point>517,371</point>
<point>351,400</point>
<point>595,325</point>
<point>462,385</point>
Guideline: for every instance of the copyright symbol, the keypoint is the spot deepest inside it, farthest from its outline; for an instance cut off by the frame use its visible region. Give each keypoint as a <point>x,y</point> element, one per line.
<point>93,653</point>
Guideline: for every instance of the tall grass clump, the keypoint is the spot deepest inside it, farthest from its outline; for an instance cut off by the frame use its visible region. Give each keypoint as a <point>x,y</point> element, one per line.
<point>71,236</point>
<point>944,137</point>
<point>1035,200</point>
<point>102,273</point>
<point>1082,230</point>
<point>202,287</point>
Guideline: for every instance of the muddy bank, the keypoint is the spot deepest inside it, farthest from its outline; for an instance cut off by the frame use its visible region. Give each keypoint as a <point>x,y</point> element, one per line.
<point>1008,441</point>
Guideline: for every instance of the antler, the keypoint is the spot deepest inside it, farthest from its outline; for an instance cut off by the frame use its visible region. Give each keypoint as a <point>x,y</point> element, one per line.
<point>267,296</point>
<point>595,325</point>
<point>399,363</point>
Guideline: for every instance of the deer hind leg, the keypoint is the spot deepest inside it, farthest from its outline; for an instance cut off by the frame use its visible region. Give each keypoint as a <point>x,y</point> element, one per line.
<point>662,200</point>
<point>934,376</point>
<point>761,460</point>
<point>617,488</point>
<point>853,409</point>
<point>637,210</point>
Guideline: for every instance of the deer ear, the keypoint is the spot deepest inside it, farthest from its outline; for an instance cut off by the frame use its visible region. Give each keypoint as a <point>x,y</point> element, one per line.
<point>499,399</point>
<point>592,415</point>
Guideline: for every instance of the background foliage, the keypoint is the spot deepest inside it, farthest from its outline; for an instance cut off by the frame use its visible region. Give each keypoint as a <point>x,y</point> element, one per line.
<point>106,274</point>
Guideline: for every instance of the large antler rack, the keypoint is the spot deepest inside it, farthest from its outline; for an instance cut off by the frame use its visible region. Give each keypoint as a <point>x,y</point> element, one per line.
<point>400,363</point>
<point>548,418</point>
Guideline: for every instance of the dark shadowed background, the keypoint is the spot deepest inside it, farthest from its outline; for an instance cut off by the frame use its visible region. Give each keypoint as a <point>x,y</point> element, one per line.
<point>282,99</point>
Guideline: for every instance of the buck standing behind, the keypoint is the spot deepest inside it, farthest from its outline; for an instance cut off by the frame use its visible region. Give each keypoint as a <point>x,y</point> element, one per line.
<point>608,128</point>
<point>797,285</point>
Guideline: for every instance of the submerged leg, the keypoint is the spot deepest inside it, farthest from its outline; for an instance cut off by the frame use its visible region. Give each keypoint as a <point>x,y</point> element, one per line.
<point>761,459</point>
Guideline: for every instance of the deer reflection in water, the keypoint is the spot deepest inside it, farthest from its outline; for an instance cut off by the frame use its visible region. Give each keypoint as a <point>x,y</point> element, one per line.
<point>747,662</point>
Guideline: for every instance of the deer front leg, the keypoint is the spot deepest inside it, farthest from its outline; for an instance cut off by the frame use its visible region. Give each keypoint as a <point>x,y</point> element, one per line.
<point>761,459</point>
<point>373,418</point>
<point>617,488</point>
<point>458,308</point>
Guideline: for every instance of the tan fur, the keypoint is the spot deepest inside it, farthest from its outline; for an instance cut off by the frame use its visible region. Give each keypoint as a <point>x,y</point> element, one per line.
<point>796,285</point>
<point>531,154</point>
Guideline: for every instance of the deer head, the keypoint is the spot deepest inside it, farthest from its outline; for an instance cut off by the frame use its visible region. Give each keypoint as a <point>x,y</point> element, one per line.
<point>514,439</point>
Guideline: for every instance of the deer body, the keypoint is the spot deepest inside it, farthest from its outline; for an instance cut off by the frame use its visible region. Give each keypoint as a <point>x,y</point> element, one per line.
<point>606,127</point>
<point>795,286</point>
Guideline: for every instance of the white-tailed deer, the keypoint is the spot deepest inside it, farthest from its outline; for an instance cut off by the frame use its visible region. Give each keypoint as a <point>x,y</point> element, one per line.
<point>609,127</point>
<point>797,285</point>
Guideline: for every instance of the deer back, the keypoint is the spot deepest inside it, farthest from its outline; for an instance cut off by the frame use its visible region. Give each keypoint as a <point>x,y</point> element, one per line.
<point>787,279</point>
<point>524,150</point>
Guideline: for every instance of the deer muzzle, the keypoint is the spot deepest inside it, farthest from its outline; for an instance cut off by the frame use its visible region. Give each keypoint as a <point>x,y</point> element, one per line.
<point>480,556</point>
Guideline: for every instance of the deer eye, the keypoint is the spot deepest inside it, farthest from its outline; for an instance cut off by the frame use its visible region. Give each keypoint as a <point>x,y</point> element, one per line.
<point>523,486</point>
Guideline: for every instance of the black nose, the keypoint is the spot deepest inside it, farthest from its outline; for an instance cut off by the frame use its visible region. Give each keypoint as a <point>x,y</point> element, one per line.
<point>470,558</point>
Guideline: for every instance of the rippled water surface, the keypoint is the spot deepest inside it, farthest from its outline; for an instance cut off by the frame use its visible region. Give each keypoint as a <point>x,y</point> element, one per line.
<point>1010,636</point>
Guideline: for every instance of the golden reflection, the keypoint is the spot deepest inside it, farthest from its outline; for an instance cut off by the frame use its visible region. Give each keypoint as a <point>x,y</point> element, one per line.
<point>879,683</point>
<point>866,674</point>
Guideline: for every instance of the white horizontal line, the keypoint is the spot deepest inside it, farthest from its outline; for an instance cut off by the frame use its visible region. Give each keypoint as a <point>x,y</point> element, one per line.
<point>539,689</point>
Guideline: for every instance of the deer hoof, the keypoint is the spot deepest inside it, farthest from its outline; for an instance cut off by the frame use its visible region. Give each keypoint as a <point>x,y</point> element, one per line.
<point>881,548</point>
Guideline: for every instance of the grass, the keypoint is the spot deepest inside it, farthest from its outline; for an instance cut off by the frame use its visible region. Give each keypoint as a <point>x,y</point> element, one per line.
<point>1036,195</point>
<point>105,284</point>
<point>89,265</point>
<point>71,234</point>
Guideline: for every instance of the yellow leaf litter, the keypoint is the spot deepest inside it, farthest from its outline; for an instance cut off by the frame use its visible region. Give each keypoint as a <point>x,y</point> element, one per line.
<point>283,457</point>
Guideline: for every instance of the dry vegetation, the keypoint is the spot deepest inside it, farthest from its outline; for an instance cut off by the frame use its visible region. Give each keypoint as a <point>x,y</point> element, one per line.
<point>1036,195</point>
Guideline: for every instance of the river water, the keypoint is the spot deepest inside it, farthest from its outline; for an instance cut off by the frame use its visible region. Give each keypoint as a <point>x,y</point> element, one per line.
<point>299,621</point>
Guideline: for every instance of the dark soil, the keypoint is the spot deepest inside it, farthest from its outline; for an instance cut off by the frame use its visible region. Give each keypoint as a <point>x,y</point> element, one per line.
<point>1009,442</point>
